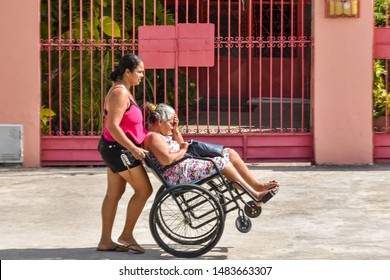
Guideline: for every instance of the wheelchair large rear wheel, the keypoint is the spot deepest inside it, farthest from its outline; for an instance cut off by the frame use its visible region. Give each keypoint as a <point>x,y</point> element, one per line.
<point>187,206</point>
<point>186,221</point>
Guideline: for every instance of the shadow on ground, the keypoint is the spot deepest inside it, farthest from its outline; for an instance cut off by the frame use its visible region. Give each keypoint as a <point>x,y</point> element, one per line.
<point>152,253</point>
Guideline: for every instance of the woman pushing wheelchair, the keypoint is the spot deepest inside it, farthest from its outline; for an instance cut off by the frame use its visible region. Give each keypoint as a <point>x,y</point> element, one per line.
<point>166,145</point>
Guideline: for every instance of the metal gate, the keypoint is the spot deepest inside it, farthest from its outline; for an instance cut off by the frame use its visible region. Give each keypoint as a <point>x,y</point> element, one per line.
<point>237,71</point>
<point>381,88</point>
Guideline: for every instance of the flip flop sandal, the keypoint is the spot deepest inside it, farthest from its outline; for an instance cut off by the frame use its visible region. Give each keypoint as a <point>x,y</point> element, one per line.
<point>135,248</point>
<point>117,248</point>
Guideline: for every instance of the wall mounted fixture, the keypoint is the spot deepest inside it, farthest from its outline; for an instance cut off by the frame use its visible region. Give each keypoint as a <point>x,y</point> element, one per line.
<point>342,8</point>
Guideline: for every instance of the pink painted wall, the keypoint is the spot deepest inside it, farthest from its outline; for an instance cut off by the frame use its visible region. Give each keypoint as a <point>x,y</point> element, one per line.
<point>342,87</point>
<point>20,72</point>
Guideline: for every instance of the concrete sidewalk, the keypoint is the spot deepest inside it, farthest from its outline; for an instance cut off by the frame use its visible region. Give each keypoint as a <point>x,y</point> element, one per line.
<point>320,212</point>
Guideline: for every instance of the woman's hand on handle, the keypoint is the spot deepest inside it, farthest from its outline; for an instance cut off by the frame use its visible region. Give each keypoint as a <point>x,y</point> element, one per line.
<point>139,153</point>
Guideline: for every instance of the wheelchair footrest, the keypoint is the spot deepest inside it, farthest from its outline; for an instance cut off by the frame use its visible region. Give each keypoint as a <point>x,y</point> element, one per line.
<point>269,195</point>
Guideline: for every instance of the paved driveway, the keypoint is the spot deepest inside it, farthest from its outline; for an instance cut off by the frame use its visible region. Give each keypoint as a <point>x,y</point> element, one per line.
<point>320,213</point>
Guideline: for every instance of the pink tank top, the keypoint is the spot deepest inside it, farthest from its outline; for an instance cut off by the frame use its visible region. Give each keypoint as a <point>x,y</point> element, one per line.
<point>131,124</point>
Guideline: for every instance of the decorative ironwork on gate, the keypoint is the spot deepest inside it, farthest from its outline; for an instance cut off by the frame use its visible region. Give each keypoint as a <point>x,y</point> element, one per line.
<point>257,84</point>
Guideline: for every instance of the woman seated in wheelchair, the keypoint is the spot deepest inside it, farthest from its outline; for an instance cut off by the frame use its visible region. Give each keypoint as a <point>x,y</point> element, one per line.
<point>166,145</point>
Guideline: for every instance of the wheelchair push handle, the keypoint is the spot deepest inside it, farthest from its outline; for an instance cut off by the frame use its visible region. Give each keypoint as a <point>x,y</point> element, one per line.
<point>128,158</point>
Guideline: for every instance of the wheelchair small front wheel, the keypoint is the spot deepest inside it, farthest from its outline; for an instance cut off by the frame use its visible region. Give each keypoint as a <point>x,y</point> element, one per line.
<point>243,224</point>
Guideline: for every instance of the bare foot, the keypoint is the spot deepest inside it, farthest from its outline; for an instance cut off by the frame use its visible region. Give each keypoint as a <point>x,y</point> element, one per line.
<point>126,241</point>
<point>265,187</point>
<point>261,198</point>
<point>261,194</point>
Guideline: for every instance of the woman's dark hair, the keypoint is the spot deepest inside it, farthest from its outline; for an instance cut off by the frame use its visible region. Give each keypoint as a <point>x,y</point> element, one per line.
<point>128,61</point>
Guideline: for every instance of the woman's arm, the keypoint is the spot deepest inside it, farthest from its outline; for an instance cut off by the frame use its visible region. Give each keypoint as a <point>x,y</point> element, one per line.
<point>176,135</point>
<point>160,149</point>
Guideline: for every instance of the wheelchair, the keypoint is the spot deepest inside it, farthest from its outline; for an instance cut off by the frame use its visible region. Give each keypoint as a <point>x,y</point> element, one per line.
<point>187,220</point>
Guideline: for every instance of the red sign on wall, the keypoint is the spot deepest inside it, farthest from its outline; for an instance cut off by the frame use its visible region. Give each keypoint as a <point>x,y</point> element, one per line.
<point>167,46</point>
<point>382,42</point>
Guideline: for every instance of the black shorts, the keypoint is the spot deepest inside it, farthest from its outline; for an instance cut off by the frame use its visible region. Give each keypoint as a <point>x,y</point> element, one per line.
<point>111,153</point>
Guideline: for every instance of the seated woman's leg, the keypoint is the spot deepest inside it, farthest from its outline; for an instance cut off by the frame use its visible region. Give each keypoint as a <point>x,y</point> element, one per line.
<point>232,174</point>
<point>247,175</point>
